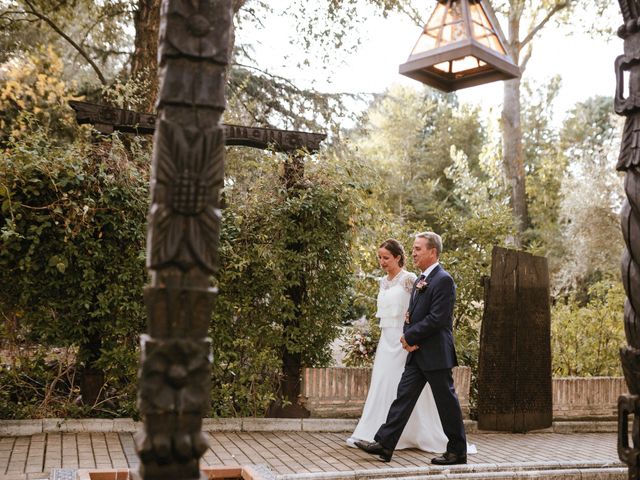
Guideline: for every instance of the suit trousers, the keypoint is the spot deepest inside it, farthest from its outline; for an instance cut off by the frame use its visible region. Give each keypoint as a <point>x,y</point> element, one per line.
<point>411,384</point>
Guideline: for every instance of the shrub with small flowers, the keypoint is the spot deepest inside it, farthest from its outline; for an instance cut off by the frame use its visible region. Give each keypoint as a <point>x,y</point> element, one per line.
<point>361,340</point>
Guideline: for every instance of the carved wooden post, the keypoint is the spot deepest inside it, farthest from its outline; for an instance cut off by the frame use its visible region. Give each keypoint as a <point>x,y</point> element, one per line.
<point>627,103</point>
<point>184,223</point>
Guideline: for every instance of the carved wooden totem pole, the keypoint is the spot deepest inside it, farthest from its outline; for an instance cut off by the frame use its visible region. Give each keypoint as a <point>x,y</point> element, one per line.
<point>182,241</point>
<point>627,103</point>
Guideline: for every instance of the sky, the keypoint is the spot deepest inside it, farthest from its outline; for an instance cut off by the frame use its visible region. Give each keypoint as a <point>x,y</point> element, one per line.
<point>584,64</point>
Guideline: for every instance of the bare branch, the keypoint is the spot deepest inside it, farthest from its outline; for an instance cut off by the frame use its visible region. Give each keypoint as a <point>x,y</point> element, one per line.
<point>57,29</point>
<point>526,58</point>
<point>105,14</point>
<point>103,52</point>
<point>559,6</point>
<point>278,77</point>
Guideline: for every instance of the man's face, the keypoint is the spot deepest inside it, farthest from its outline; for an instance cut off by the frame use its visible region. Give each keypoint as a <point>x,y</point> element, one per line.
<point>423,256</point>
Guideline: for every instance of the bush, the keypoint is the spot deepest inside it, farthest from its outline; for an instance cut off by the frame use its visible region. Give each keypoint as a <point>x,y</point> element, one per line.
<point>71,258</point>
<point>271,241</point>
<point>586,336</point>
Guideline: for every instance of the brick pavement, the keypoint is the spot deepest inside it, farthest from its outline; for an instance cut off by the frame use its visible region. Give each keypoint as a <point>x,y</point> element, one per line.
<point>290,452</point>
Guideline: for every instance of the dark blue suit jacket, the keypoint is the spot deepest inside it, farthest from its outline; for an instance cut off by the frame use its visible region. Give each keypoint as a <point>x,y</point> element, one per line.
<point>431,322</point>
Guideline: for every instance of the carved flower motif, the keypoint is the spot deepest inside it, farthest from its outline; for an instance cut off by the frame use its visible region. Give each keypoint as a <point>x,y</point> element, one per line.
<point>188,174</point>
<point>197,29</point>
<point>175,376</point>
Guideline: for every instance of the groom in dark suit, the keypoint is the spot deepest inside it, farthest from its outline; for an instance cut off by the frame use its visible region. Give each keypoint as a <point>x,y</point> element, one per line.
<point>428,337</point>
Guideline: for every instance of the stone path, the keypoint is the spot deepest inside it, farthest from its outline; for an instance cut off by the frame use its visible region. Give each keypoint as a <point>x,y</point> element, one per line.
<point>290,453</point>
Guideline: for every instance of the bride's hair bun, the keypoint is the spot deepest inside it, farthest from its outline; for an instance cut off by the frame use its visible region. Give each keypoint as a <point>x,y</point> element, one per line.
<point>394,247</point>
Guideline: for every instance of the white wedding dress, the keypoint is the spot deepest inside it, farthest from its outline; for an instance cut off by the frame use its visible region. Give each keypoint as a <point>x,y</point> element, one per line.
<point>424,429</point>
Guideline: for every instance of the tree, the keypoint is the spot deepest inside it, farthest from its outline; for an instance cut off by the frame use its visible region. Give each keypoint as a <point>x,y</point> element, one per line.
<point>520,42</point>
<point>408,133</point>
<point>592,195</point>
<point>545,167</point>
<point>91,36</point>
<point>586,333</point>
<point>144,61</point>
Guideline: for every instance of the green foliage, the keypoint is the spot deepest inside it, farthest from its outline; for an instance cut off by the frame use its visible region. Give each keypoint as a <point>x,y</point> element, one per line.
<point>587,335</point>
<point>274,240</point>
<point>101,29</point>
<point>33,98</point>
<point>39,382</point>
<point>545,167</point>
<point>71,256</point>
<point>407,134</point>
<point>591,196</point>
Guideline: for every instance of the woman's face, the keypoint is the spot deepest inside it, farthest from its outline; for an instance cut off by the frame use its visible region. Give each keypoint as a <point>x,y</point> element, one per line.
<point>387,261</point>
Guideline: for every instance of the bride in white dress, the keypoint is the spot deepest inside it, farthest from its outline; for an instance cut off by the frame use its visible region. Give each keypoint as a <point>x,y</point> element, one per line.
<point>424,429</point>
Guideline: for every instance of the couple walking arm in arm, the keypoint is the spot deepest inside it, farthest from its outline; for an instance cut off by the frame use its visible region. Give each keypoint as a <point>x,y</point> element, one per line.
<point>424,412</point>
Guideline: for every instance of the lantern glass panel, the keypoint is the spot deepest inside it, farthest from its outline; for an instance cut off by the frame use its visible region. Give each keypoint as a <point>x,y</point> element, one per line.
<point>437,17</point>
<point>452,33</point>
<point>460,65</point>
<point>482,30</point>
<point>453,28</point>
<point>426,42</point>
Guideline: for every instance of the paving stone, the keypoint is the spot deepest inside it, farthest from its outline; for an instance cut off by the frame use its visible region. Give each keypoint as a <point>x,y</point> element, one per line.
<point>329,425</point>
<point>321,454</point>
<point>77,425</point>
<point>271,424</point>
<point>125,425</point>
<point>585,427</point>
<point>63,474</point>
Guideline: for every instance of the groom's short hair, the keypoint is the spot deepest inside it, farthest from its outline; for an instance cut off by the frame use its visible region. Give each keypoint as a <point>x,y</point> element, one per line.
<point>433,240</point>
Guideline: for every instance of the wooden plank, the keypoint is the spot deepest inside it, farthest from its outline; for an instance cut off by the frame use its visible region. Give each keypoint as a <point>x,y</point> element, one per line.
<point>514,375</point>
<point>107,119</point>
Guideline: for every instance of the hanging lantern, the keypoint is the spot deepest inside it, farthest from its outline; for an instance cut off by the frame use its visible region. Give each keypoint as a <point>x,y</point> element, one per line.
<point>461,46</point>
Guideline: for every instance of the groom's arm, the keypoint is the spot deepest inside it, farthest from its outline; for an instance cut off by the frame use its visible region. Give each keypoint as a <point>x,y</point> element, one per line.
<point>439,316</point>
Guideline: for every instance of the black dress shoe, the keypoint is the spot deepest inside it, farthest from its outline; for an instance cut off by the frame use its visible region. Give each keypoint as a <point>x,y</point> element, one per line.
<point>449,459</point>
<point>376,449</point>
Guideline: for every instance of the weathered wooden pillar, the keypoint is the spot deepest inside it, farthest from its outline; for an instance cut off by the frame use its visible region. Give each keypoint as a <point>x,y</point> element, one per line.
<point>514,373</point>
<point>182,239</point>
<point>627,103</point>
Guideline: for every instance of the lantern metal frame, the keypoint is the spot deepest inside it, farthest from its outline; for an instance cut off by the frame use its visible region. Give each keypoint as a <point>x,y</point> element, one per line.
<point>492,64</point>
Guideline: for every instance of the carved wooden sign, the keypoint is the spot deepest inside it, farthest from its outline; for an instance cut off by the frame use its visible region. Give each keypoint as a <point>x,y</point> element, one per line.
<point>108,119</point>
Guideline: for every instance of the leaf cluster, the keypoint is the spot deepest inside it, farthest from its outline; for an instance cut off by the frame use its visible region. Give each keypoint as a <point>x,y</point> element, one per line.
<point>586,336</point>
<point>283,281</point>
<point>71,256</point>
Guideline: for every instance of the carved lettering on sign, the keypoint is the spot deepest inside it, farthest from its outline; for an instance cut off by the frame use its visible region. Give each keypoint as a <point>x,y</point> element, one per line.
<point>107,119</point>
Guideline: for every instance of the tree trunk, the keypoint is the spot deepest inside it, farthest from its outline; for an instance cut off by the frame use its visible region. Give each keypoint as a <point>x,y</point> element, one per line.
<point>144,63</point>
<point>512,151</point>
<point>287,403</point>
<point>91,378</point>
<point>513,155</point>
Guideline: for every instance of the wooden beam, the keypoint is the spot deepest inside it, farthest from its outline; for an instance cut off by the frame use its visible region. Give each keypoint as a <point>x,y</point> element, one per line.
<point>106,119</point>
